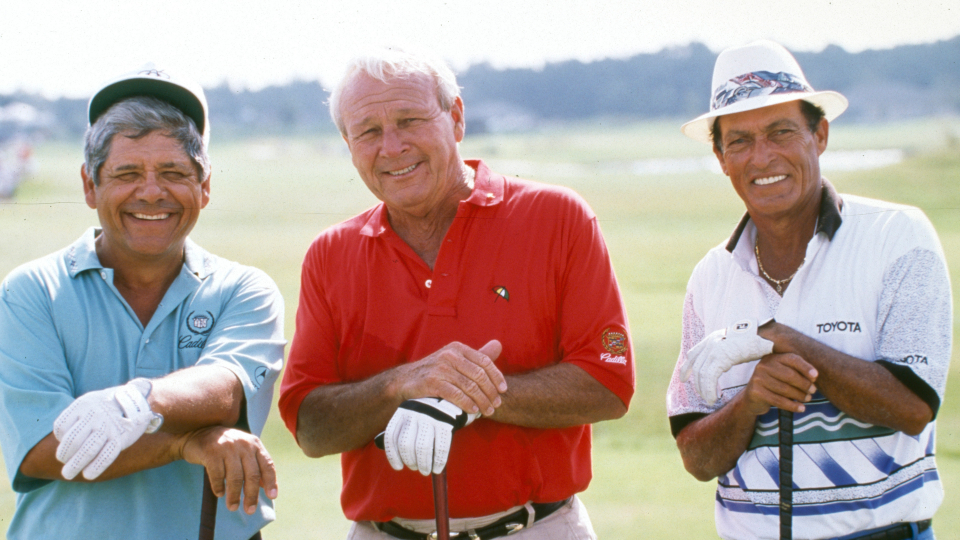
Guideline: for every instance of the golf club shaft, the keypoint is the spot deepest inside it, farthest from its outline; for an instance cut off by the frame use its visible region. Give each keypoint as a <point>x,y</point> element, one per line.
<point>208,510</point>
<point>786,474</point>
<point>440,505</point>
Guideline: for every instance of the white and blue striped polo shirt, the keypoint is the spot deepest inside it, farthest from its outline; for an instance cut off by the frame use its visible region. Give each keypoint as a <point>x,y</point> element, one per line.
<point>874,286</point>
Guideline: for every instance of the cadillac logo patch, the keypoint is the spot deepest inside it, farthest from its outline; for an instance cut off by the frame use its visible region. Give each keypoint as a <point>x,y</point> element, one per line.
<point>614,342</point>
<point>200,323</point>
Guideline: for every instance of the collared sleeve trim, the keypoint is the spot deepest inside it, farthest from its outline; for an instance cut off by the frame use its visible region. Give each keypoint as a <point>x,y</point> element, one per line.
<point>677,423</point>
<point>916,385</point>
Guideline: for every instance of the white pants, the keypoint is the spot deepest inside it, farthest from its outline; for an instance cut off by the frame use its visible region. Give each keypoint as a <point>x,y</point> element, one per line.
<point>570,522</point>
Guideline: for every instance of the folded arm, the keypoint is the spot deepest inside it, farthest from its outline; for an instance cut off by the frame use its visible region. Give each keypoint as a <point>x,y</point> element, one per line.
<point>786,379</point>
<point>339,417</point>
<point>557,396</point>
<point>711,446</point>
<point>864,390</point>
<point>237,462</point>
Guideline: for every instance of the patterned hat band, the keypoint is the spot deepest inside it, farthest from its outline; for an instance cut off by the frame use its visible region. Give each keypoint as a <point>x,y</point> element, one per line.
<point>756,84</point>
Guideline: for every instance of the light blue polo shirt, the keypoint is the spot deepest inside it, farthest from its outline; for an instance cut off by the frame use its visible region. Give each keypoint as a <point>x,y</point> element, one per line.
<point>65,330</point>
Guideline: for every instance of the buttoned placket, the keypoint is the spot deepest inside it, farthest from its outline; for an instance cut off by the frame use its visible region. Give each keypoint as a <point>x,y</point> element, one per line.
<point>442,296</point>
<point>107,275</point>
<point>184,285</point>
<point>443,284</point>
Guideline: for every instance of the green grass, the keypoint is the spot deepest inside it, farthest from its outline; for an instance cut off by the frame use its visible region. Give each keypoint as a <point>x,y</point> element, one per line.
<point>271,197</point>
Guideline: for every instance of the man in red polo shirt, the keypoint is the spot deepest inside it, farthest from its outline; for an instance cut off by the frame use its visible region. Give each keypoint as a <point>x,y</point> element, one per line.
<point>494,294</point>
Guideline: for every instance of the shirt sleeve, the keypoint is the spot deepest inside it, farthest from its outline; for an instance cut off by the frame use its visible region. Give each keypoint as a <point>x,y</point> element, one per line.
<point>915,322</point>
<point>35,382</point>
<point>248,340</point>
<point>315,346</point>
<point>684,404</point>
<point>594,333</point>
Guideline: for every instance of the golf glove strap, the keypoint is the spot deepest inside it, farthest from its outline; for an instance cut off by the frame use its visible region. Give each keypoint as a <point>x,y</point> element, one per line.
<point>99,425</point>
<point>420,433</point>
<point>720,351</point>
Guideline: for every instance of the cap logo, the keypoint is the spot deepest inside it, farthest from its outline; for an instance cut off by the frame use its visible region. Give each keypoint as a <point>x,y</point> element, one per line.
<point>756,84</point>
<point>158,73</point>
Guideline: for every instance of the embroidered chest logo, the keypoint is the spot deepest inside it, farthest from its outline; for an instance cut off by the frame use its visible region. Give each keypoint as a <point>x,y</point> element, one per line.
<point>839,326</point>
<point>501,293</point>
<point>199,325</point>
<point>615,342</point>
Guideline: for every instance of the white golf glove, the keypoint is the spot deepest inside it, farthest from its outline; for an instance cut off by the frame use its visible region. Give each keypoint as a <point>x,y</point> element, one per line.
<point>420,433</point>
<point>98,425</point>
<point>720,351</point>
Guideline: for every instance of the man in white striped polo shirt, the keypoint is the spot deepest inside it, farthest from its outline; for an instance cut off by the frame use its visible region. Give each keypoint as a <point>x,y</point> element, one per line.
<point>836,308</point>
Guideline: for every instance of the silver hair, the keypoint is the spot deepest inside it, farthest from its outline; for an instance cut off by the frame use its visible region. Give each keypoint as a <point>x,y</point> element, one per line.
<point>137,117</point>
<point>388,64</point>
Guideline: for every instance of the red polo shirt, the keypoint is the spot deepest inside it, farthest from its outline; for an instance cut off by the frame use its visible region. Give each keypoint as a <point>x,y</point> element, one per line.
<point>523,263</point>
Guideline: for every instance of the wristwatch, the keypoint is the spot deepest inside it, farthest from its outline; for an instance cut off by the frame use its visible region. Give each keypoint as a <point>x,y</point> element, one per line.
<point>145,386</point>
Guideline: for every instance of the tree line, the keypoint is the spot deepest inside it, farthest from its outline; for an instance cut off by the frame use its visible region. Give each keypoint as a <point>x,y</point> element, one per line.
<point>903,82</point>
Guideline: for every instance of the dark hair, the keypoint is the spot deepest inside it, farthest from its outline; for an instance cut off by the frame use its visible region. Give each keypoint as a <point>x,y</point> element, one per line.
<point>811,113</point>
<point>137,117</point>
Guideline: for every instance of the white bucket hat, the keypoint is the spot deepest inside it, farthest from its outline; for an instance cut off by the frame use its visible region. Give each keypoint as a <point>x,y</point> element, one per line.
<point>150,80</point>
<point>756,75</point>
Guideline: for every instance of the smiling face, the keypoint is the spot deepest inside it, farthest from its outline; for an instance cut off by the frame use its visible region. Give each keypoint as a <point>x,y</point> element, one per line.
<point>403,144</point>
<point>148,200</point>
<point>773,160</point>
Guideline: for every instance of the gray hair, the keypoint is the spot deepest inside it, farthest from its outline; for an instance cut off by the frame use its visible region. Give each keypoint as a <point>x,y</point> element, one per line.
<point>137,117</point>
<point>388,64</point>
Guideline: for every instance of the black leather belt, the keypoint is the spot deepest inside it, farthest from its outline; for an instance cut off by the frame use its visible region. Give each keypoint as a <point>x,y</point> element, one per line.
<point>900,531</point>
<point>506,525</point>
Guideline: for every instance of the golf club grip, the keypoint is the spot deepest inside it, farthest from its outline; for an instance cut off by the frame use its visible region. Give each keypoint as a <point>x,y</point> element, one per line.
<point>786,474</point>
<point>208,510</point>
<point>440,505</point>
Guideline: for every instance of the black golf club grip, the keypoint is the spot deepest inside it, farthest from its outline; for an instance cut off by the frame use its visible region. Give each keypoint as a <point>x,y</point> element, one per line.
<point>208,510</point>
<point>786,475</point>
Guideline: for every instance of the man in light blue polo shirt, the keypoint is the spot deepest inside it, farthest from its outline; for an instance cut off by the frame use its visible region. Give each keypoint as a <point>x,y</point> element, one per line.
<point>133,360</point>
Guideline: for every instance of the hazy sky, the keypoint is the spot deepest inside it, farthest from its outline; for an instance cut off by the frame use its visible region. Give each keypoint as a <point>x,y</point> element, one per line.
<point>71,47</point>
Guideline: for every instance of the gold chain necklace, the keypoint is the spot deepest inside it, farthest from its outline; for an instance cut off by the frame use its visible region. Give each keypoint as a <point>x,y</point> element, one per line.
<point>778,282</point>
